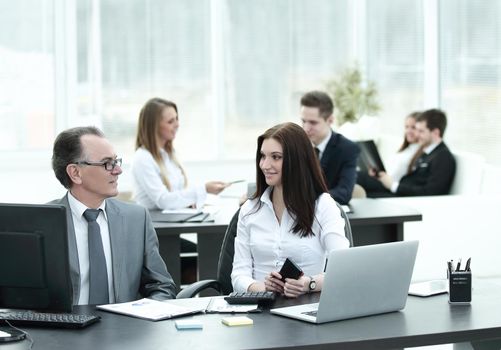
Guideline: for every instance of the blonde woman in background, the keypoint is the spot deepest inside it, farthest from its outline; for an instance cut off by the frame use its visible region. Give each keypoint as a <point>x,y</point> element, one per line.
<point>400,164</point>
<point>160,181</point>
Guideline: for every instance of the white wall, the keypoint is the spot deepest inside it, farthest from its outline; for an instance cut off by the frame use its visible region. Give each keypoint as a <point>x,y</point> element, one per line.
<point>453,227</point>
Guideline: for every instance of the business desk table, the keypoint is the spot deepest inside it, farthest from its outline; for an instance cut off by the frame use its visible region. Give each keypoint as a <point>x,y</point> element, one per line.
<point>424,321</point>
<point>372,222</point>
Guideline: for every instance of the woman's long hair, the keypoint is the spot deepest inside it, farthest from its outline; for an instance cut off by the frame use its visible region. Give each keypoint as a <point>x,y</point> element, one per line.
<point>405,144</point>
<point>302,178</point>
<point>147,134</point>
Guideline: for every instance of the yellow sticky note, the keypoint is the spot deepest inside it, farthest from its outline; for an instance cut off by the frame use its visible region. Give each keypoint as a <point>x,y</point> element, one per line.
<point>237,321</point>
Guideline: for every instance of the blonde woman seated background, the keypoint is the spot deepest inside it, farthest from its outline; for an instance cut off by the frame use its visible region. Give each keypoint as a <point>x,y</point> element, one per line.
<point>160,181</point>
<point>292,215</point>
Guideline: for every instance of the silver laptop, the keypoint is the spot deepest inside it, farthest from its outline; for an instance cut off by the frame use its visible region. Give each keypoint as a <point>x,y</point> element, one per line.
<point>361,281</point>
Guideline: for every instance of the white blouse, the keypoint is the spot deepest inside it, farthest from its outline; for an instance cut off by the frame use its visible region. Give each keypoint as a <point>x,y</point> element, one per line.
<point>262,244</point>
<point>399,162</point>
<point>151,192</point>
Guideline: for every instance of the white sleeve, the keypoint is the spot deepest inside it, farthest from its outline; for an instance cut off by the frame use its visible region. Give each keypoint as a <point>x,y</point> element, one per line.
<point>331,224</point>
<point>393,166</point>
<point>399,162</point>
<point>394,186</point>
<point>241,275</point>
<point>146,174</point>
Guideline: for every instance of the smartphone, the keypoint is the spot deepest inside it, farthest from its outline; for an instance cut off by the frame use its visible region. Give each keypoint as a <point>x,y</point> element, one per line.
<point>290,270</point>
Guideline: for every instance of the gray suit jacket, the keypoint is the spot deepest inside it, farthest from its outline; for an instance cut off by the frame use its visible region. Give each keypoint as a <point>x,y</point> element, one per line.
<point>138,269</point>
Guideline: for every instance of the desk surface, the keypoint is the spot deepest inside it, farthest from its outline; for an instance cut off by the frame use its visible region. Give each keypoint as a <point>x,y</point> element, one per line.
<point>366,211</point>
<point>370,211</point>
<point>372,221</point>
<point>424,321</point>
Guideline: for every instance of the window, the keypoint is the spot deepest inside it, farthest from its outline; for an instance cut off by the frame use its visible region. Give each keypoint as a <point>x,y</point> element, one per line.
<point>275,52</point>
<point>27,83</point>
<point>236,68</point>
<point>231,76</point>
<point>134,50</point>
<point>470,74</point>
<point>395,54</point>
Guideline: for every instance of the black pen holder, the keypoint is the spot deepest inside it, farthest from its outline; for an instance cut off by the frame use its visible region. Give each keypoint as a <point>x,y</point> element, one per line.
<point>460,287</point>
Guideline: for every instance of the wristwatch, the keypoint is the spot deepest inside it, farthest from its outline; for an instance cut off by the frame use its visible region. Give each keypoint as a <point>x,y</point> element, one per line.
<point>312,285</point>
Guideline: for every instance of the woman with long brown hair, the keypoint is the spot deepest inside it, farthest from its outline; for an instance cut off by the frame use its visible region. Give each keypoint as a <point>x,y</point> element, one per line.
<point>160,181</point>
<point>291,215</point>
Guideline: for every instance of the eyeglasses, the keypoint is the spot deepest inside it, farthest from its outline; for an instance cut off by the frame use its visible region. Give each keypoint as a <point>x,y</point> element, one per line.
<point>108,164</point>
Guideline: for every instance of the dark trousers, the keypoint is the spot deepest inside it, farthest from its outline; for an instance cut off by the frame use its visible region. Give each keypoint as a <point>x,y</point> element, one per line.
<point>372,186</point>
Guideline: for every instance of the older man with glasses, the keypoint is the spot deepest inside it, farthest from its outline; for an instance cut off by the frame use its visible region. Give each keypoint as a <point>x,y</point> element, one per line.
<point>113,246</point>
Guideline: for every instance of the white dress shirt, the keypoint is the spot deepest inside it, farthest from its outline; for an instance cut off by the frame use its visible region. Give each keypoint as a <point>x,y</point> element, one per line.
<point>399,163</point>
<point>151,192</point>
<point>321,146</point>
<point>262,244</point>
<point>81,235</point>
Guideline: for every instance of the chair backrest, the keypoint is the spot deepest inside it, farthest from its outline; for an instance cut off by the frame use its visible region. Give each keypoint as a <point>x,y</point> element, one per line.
<point>469,173</point>
<point>358,192</point>
<point>347,226</point>
<point>225,264</point>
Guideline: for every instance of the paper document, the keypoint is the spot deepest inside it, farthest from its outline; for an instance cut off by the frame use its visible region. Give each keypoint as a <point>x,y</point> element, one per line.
<point>429,288</point>
<point>181,211</point>
<point>219,305</point>
<point>150,309</point>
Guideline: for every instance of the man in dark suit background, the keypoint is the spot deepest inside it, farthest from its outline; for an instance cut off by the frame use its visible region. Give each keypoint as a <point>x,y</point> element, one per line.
<point>113,247</point>
<point>433,172</point>
<point>338,155</point>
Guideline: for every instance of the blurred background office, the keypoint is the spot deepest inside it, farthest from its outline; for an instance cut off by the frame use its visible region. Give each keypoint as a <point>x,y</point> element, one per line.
<point>235,68</point>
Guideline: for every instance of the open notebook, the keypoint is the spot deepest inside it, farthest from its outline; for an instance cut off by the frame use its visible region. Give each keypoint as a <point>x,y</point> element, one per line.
<point>150,309</point>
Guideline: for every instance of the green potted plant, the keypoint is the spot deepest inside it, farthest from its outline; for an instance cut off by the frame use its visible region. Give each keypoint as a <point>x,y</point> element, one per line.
<point>352,97</point>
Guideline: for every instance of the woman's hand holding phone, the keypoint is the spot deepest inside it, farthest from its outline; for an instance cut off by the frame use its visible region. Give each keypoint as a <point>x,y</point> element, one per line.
<point>296,287</point>
<point>273,283</point>
<point>290,270</point>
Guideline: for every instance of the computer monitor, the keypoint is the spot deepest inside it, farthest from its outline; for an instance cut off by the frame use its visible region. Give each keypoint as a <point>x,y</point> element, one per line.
<point>34,264</point>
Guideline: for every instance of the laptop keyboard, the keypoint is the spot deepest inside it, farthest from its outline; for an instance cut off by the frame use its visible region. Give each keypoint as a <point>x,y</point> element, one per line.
<point>45,319</point>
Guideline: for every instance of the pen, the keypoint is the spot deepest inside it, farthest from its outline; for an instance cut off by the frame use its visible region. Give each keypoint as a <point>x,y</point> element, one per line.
<point>449,266</point>
<point>459,265</point>
<point>467,268</point>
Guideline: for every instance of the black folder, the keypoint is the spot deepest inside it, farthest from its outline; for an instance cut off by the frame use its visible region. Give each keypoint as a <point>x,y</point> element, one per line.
<point>369,157</point>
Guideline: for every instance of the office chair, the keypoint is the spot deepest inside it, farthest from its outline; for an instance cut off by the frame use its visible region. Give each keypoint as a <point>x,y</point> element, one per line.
<point>223,282</point>
<point>225,265</point>
<point>347,226</point>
